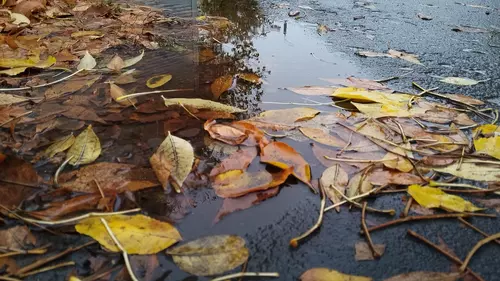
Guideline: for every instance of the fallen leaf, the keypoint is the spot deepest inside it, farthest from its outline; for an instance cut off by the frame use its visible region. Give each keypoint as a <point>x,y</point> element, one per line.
<point>87,62</point>
<point>76,204</point>
<point>75,84</point>
<point>8,99</point>
<point>202,104</point>
<point>116,63</point>
<point>460,81</point>
<point>471,171</point>
<point>363,95</point>
<point>225,133</point>
<point>488,146</point>
<point>90,33</point>
<point>205,55</point>
<point>13,71</point>
<point>19,19</point>
<point>112,178</point>
<point>287,116</point>
<point>463,119</point>
<point>60,145</point>
<point>322,29</point>
<point>236,161</point>
<point>371,54</point>
<point>236,183</point>
<point>464,99</point>
<point>8,265</point>
<point>487,130</point>
<point>398,162</point>
<point>210,255</point>
<point>144,267</point>
<point>173,159</point>
<point>17,237</point>
<point>85,149</point>
<point>404,56</point>
<point>30,62</point>
<point>472,29</point>
<point>138,234</point>
<point>364,253</point>
<point>490,203</point>
<point>430,197</point>
<point>337,177</point>
<point>313,90</point>
<point>358,184</point>
<point>250,77</point>
<point>326,274</point>
<point>116,92</point>
<point>357,83</point>
<point>320,136</point>
<point>383,177</point>
<point>221,84</point>
<point>134,60</point>
<point>28,7</point>
<point>283,156</point>
<point>427,276</point>
<point>158,80</point>
<point>423,17</point>
<point>437,161</point>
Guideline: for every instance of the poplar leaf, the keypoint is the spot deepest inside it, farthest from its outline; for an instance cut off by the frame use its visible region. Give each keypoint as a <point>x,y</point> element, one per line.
<point>85,149</point>
<point>430,197</point>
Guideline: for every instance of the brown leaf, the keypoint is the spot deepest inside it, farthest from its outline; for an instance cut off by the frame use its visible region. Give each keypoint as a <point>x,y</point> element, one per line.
<point>322,137</point>
<point>112,178</point>
<point>220,85</point>
<point>464,99</point>
<point>82,113</point>
<point>283,156</point>
<point>71,86</point>
<point>337,177</point>
<point>116,63</point>
<point>236,161</point>
<point>172,125</point>
<point>208,114</point>
<point>59,209</point>
<point>463,119</point>
<point>427,276</point>
<point>437,161</point>
<point>116,92</point>
<point>383,177</point>
<point>8,265</point>
<point>14,170</point>
<point>364,253</point>
<point>28,7</point>
<point>357,83</point>
<point>144,266</point>
<point>17,237</point>
<point>490,203</point>
<point>225,133</point>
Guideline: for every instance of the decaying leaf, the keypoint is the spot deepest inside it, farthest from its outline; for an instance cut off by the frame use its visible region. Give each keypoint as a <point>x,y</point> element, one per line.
<point>283,156</point>
<point>210,255</point>
<point>116,63</point>
<point>337,177</point>
<point>87,62</point>
<point>326,274</point>
<point>17,237</point>
<point>460,81</point>
<point>202,104</point>
<point>431,197</point>
<point>76,204</point>
<point>8,99</point>
<point>472,171</point>
<point>464,99</point>
<point>364,253</point>
<point>489,146</point>
<point>320,136</point>
<point>60,145</point>
<point>221,84</point>
<point>173,160</point>
<point>383,177</point>
<point>138,234</point>
<point>158,80</point>
<point>75,84</point>
<point>116,92</point>
<point>427,276</point>
<point>85,149</point>
<point>358,184</point>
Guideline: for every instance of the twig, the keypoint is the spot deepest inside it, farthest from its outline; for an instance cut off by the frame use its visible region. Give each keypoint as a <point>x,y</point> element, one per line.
<point>15,252</point>
<point>359,160</point>
<point>394,77</point>
<point>345,201</point>
<point>247,274</point>
<point>124,253</point>
<point>9,278</point>
<point>42,85</point>
<point>482,191</point>
<point>346,145</point>
<point>476,229</point>
<point>407,207</point>
<point>294,242</point>
<point>476,247</point>
<point>403,135</point>
<point>48,268</point>
<point>367,233</point>
<point>151,92</point>
<point>60,169</point>
<point>17,117</point>
<point>447,254</point>
<point>391,212</point>
<point>99,188</point>
<point>75,219</point>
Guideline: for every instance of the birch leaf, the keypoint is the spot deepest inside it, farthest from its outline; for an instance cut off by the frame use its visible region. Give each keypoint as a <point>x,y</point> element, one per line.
<point>158,80</point>
<point>459,81</point>
<point>337,177</point>
<point>87,62</point>
<point>8,99</point>
<point>472,171</point>
<point>202,104</point>
<point>134,60</point>
<point>85,149</point>
<point>60,145</point>
<point>326,274</point>
<point>173,160</point>
<point>138,234</point>
<point>489,146</point>
<point>430,197</point>
<point>116,92</point>
<point>210,255</point>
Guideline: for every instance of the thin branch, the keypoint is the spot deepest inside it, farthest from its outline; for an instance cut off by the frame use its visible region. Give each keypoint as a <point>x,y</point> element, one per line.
<point>247,274</point>
<point>75,219</point>
<point>151,92</point>
<point>367,233</point>
<point>48,268</point>
<point>407,207</point>
<point>345,201</point>
<point>476,247</point>
<point>42,85</point>
<point>391,212</point>
<point>476,229</point>
<point>15,252</point>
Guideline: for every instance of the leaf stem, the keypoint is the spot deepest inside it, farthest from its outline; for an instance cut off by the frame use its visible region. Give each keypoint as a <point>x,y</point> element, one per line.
<point>359,160</point>
<point>345,201</point>
<point>42,85</point>
<point>476,247</point>
<point>391,212</point>
<point>151,92</point>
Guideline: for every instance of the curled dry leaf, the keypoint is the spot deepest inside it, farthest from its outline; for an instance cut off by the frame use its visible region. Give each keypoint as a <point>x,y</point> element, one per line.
<point>240,160</point>
<point>221,84</point>
<point>237,183</point>
<point>60,145</point>
<point>430,197</point>
<point>138,234</point>
<point>117,91</point>
<point>210,255</point>
<point>203,104</point>
<point>489,146</point>
<point>337,177</point>
<point>364,253</point>
<point>283,156</point>
<point>116,63</point>
<point>85,149</point>
<point>427,276</point>
<point>320,136</point>
<point>158,80</point>
<point>326,274</point>
<point>87,62</point>
<point>472,171</point>
<point>173,160</point>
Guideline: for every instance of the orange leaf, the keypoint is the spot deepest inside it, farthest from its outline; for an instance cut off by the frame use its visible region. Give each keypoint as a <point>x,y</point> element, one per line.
<point>225,133</point>
<point>239,160</point>
<point>221,84</point>
<point>283,156</point>
<point>76,204</point>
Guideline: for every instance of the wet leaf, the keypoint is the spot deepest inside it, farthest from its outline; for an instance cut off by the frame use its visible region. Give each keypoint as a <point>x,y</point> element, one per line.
<point>487,130</point>
<point>240,160</point>
<point>463,119</point>
<point>287,116</point>
<point>203,104</point>
<point>320,136</point>
<point>437,161</point>
<point>427,276</point>
<point>205,55</point>
<point>19,19</point>
<point>81,113</point>
<point>13,71</point>
<point>459,81</point>
<point>225,133</point>
<point>358,184</point>
<point>221,84</point>
<point>173,160</point>
<point>424,17</point>
<point>337,177</point>
<point>116,63</point>
<point>472,171</point>
<point>90,33</point>
<point>363,95</point>
<point>404,56</point>
<point>488,146</point>
<point>283,156</point>
<point>30,62</point>
<point>383,177</point>
<point>8,99</point>
<point>17,237</point>
<point>134,60</point>
<point>250,77</point>
<point>371,54</point>
<point>313,90</point>
<point>237,183</point>
<point>112,178</point>
<point>490,203</point>
<point>357,83</point>
<point>138,234</point>
<point>86,148</point>
<point>364,253</point>
<point>397,162</point>
<point>28,7</point>
<point>116,92</point>
<point>71,86</point>
<point>76,204</point>
<point>430,197</point>
<point>326,274</point>
<point>60,145</point>
<point>158,80</point>
<point>87,62</point>
<point>210,255</point>
<point>464,99</point>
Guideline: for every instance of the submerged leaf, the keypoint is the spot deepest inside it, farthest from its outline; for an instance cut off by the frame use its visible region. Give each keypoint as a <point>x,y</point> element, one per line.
<point>430,197</point>
<point>202,104</point>
<point>287,116</point>
<point>210,255</point>
<point>326,274</point>
<point>13,71</point>
<point>85,149</point>
<point>283,156</point>
<point>240,160</point>
<point>116,63</point>
<point>116,92</point>
<point>221,84</point>
<point>138,234</point>
<point>313,90</point>
<point>158,80</point>
<point>60,145</point>
<point>87,62</point>
<point>8,99</point>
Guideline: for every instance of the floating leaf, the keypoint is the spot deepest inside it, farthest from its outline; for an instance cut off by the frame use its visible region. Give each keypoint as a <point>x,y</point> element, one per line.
<point>8,99</point>
<point>225,133</point>
<point>430,197</point>
<point>320,136</point>
<point>87,62</point>
<point>460,81</point>
<point>237,183</point>
<point>426,276</point>
<point>138,234</point>
<point>210,255</point>
<point>13,71</point>
<point>472,171</point>
<point>363,95</point>
<point>134,60</point>
<point>313,90</point>
<point>240,160</point>
<point>158,80</point>
<point>287,116</point>
<point>489,146</point>
<point>283,156</point>
<point>85,149</point>
<point>250,77</point>
<point>221,84</point>
<point>116,63</point>
<point>202,104</point>
<point>60,145</point>
<point>326,274</point>
<point>173,160</point>
<point>364,253</point>
<point>337,177</point>
<point>116,92</point>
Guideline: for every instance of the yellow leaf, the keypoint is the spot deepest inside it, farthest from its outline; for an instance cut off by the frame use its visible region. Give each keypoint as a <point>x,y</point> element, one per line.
<point>173,160</point>
<point>287,116</point>
<point>8,99</point>
<point>46,63</point>
<point>60,145</point>
<point>363,95</point>
<point>210,255</point>
<point>13,71</point>
<point>116,63</point>
<point>430,197</point>
<point>489,146</point>
<point>250,77</point>
<point>29,62</point>
<point>138,234</point>
<point>377,110</point>
<point>85,149</point>
<point>86,33</point>
<point>116,92</point>
<point>399,163</point>
<point>202,104</point>
<point>320,136</point>
<point>472,171</point>
<point>326,274</point>
<point>158,80</point>
<point>221,84</point>
<point>73,278</point>
<point>487,129</point>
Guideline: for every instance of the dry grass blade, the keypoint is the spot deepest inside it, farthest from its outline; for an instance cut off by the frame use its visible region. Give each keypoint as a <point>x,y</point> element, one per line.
<point>391,212</point>
<point>476,247</point>
<point>367,233</point>
<point>345,201</point>
<point>14,252</point>
<point>247,274</point>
